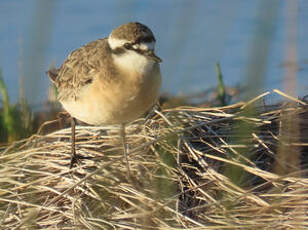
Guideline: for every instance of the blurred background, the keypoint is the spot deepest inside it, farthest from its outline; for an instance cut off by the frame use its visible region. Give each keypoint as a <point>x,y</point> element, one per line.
<point>260,45</point>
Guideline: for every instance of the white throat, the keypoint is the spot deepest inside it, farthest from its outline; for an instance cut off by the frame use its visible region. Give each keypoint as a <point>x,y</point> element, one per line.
<point>131,60</point>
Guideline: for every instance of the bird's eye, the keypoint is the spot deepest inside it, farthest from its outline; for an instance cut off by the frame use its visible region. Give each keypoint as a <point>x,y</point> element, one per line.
<point>127,46</point>
<point>148,39</point>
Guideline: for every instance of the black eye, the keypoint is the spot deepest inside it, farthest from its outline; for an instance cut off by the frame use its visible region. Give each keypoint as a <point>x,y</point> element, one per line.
<point>89,81</point>
<point>127,46</point>
<point>148,39</point>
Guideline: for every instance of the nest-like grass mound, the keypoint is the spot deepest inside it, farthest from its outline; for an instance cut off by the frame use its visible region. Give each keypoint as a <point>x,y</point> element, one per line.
<point>230,167</point>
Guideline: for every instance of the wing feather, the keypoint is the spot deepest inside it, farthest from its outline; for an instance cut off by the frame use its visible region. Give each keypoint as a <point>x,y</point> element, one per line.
<point>80,67</point>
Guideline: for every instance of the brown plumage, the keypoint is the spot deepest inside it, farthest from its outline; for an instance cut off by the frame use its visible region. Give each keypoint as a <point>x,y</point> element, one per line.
<point>80,67</point>
<point>113,80</point>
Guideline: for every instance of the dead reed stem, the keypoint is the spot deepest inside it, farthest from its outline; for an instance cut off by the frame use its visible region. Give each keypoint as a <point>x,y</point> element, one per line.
<point>178,162</point>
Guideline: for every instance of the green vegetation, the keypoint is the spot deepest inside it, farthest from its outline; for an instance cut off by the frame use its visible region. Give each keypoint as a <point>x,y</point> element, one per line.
<point>242,129</point>
<point>221,90</point>
<point>16,121</point>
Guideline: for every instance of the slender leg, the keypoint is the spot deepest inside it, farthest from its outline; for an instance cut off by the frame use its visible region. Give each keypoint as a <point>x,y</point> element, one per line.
<point>123,134</point>
<point>74,157</point>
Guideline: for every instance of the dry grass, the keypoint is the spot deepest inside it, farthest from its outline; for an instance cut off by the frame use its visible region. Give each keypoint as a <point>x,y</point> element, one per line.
<point>181,161</point>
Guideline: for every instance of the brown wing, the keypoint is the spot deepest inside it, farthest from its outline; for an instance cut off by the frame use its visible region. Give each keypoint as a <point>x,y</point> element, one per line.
<point>80,67</point>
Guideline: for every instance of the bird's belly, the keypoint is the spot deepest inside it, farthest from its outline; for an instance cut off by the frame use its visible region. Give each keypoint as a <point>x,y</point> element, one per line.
<point>97,106</point>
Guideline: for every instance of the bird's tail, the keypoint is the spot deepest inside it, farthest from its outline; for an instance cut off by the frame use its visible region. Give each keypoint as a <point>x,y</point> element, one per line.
<point>52,73</point>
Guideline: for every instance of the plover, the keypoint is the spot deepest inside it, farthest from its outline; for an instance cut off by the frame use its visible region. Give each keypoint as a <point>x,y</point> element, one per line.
<point>113,80</point>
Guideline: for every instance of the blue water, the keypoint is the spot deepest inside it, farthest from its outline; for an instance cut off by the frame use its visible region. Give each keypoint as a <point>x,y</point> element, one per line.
<point>191,37</point>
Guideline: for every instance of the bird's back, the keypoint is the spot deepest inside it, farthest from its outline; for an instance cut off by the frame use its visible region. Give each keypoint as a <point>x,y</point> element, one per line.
<point>80,67</point>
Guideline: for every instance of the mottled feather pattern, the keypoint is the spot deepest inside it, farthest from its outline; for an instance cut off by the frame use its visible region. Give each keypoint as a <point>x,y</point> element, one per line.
<point>81,66</point>
<point>107,81</point>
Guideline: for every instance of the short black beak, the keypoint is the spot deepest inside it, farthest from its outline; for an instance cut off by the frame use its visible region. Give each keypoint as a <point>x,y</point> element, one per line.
<point>150,54</point>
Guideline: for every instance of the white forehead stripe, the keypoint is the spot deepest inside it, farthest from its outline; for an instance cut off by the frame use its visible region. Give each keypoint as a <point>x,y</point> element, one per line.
<point>115,43</point>
<point>144,46</point>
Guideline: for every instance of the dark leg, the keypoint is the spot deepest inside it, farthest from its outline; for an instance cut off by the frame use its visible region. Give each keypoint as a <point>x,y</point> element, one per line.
<point>74,158</point>
<point>122,134</point>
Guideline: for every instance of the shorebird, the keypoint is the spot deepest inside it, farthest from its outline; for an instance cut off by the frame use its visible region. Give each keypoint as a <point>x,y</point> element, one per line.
<point>112,80</point>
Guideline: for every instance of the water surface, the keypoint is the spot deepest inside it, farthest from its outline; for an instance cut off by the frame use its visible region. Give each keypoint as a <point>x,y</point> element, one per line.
<point>191,37</point>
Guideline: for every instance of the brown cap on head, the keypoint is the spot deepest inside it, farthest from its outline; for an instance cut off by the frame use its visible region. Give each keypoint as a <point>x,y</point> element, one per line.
<point>134,32</point>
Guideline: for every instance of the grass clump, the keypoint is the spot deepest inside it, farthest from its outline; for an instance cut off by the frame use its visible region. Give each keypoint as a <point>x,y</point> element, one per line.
<point>177,161</point>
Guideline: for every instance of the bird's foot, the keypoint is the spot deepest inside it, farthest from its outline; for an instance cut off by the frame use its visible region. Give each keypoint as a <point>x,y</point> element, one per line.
<point>76,159</point>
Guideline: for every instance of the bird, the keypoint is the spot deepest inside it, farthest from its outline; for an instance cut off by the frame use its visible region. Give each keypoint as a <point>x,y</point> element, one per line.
<point>112,80</point>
